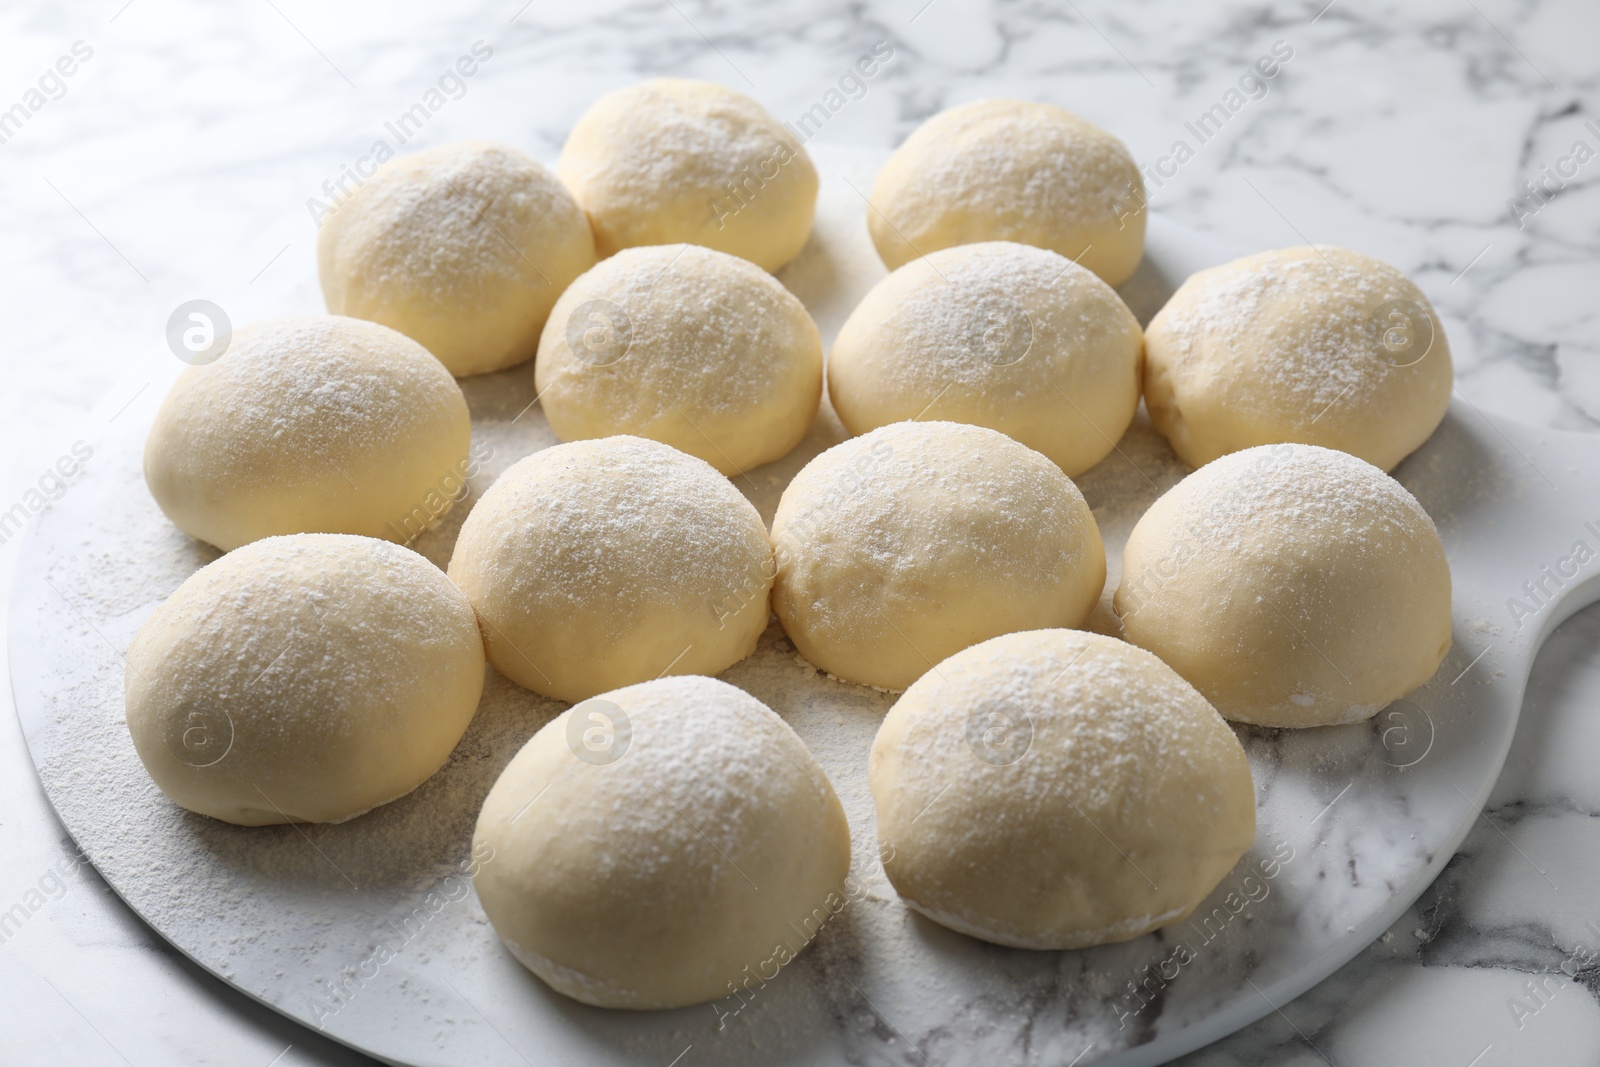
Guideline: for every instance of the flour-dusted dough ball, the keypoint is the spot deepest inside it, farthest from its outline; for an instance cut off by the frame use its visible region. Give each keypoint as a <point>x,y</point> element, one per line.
<point>1056,789</point>
<point>670,160</point>
<point>597,564</point>
<point>306,678</point>
<point>905,545</point>
<point>316,425</point>
<point>656,846</point>
<point>464,247</point>
<point>1320,346</point>
<point>997,334</point>
<point>1292,585</point>
<point>1011,170</point>
<point>681,344</point>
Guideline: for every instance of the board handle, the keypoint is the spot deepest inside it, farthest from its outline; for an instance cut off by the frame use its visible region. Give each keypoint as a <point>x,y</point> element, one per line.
<point>1519,510</point>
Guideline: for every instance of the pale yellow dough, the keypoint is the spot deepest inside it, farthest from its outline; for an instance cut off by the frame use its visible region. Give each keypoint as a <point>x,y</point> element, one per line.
<point>1012,170</point>
<point>330,425</point>
<point>1056,789</point>
<point>464,247</point>
<point>996,334</point>
<point>596,564</point>
<point>1293,585</point>
<point>694,843</point>
<point>672,160</point>
<point>306,678</point>
<point>900,547</point>
<point>1320,346</point>
<point>698,349</point>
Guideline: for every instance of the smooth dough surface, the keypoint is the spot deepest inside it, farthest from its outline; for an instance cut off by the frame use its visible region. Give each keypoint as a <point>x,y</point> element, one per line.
<point>997,334</point>
<point>692,347</point>
<point>1319,346</point>
<point>306,678</point>
<point>597,564</point>
<point>900,547</point>
<point>315,425</point>
<point>1056,789</point>
<point>694,843</point>
<point>464,247</point>
<point>673,160</point>
<point>1012,170</point>
<point>1293,585</point>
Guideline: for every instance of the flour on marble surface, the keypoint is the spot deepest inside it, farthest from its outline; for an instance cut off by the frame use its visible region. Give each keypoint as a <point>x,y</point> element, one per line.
<point>277,917</point>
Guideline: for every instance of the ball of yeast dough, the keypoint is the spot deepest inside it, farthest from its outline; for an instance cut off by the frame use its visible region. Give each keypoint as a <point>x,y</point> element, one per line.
<point>905,545</point>
<point>464,247</point>
<point>685,345</point>
<point>1011,170</point>
<point>1320,346</point>
<point>670,160</point>
<point>597,564</point>
<point>655,846</point>
<point>306,678</point>
<point>315,425</point>
<point>1292,585</point>
<point>998,334</point>
<point>1057,789</point>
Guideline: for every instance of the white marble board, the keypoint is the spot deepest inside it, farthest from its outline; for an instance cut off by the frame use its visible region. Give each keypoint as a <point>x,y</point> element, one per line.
<point>1354,821</point>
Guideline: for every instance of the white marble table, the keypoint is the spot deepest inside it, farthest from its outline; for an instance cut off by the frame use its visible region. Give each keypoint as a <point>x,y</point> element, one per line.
<point>177,158</point>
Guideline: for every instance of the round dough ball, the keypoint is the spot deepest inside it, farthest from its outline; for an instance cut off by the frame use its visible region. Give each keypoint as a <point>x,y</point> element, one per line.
<point>681,344</point>
<point>672,160</point>
<point>653,847</point>
<point>997,334</point>
<point>464,247</point>
<point>1320,346</point>
<point>317,425</point>
<point>1292,585</point>
<point>601,563</point>
<point>1011,170</point>
<point>307,678</point>
<point>1056,789</point>
<point>905,545</point>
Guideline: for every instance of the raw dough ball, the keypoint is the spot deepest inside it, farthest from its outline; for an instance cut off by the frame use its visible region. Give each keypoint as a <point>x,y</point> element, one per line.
<point>601,563</point>
<point>900,547</point>
<point>318,425</point>
<point>1057,789</point>
<point>670,160</point>
<point>1011,170</point>
<point>1321,346</point>
<point>996,334</point>
<point>650,845</point>
<point>698,349</point>
<point>306,678</point>
<point>464,247</point>
<point>1292,585</point>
